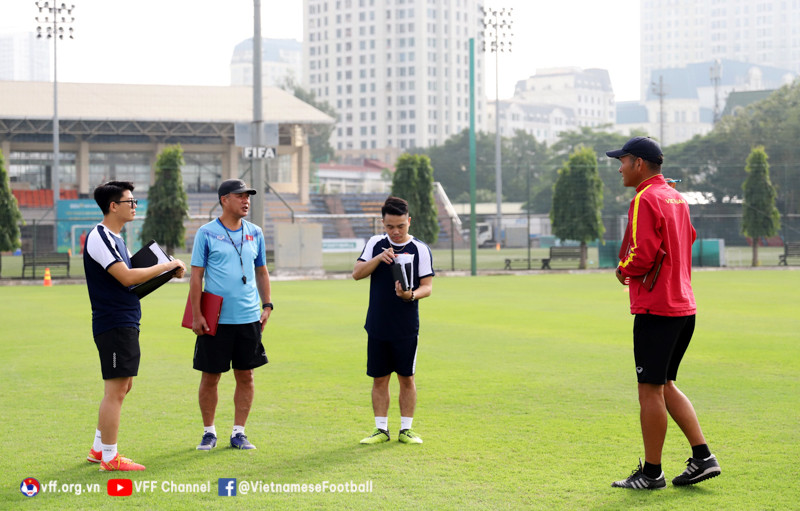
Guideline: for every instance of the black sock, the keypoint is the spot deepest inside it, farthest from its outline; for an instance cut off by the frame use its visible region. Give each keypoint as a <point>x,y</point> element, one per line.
<point>652,471</point>
<point>701,451</point>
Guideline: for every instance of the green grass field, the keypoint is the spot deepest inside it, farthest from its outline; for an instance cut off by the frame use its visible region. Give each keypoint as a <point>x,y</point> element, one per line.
<point>527,399</point>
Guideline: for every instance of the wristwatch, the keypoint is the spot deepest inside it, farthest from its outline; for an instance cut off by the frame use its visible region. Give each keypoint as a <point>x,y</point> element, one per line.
<point>268,304</point>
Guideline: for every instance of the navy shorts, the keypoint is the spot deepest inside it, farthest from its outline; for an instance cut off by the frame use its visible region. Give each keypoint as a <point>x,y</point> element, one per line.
<point>385,357</point>
<point>659,343</point>
<point>234,345</point>
<point>119,352</point>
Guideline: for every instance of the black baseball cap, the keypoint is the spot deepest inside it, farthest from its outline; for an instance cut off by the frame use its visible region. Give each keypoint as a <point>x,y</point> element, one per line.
<point>234,186</point>
<point>642,147</point>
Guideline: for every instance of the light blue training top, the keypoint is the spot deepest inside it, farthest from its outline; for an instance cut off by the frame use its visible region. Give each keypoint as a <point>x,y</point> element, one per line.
<point>214,251</point>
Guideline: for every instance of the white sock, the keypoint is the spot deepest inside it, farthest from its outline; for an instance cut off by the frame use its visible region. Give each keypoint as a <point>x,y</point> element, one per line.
<point>382,423</point>
<point>98,444</point>
<point>236,430</point>
<point>109,452</point>
<point>405,422</point>
<point>210,429</point>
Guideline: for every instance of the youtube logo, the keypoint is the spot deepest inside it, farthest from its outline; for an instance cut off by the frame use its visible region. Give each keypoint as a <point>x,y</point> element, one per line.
<point>120,487</point>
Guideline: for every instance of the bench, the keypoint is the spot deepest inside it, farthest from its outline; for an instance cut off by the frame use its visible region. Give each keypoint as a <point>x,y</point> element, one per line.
<point>510,262</point>
<point>791,250</point>
<point>44,260</point>
<point>557,254</point>
<point>562,254</point>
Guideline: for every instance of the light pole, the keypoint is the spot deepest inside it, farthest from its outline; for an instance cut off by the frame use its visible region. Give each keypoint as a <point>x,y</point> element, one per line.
<point>496,39</point>
<point>661,91</point>
<point>51,25</point>
<point>715,74</point>
<point>473,247</point>
<point>259,180</point>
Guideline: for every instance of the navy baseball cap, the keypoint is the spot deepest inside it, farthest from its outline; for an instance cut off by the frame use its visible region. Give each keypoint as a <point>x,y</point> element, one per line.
<point>642,147</point>
<point>234,186</point>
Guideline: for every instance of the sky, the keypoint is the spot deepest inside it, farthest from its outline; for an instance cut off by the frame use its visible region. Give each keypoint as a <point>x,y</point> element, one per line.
<point>190,42</point>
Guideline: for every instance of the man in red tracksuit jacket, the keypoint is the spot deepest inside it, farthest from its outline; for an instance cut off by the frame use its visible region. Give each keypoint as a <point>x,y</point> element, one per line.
<point>664,309</point>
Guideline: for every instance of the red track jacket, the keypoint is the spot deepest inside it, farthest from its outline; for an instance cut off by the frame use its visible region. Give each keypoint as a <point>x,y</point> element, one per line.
<point>659,218</point>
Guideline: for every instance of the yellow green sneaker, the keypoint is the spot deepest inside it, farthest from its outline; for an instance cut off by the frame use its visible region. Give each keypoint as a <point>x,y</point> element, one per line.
<point>407,436</point>
<point>378,436</point>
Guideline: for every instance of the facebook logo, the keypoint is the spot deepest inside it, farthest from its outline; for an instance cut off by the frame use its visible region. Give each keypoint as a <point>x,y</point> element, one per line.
<point>227,487</point>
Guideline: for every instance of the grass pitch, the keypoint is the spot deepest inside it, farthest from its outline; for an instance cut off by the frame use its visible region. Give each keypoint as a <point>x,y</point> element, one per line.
<point>527,399</point>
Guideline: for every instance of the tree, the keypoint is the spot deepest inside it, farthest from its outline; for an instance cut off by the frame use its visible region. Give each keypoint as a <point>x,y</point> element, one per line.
<point>426,214</point>
<point>167,202</point>
<point>10,217</point>
<point>760,217</point>
<point>319,135</point>
<point>616,197</point>
<point>712,163</point>
<point>413,181</point>
<point>578,200</point>
<point>451,161</point>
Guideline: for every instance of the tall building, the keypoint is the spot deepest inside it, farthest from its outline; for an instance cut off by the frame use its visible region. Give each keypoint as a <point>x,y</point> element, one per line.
<point>544,122</point>
<point>23,57</point>
<point>396,71</point>
<point>685,102</point>
<point>555,100</point>
<point>679,32</point>
<point>280,59</point>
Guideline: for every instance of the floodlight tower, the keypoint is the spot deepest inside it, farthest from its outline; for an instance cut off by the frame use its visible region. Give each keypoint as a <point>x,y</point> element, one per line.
<point>259,178</point>
<point>496,38</point>
<point>52,20</point>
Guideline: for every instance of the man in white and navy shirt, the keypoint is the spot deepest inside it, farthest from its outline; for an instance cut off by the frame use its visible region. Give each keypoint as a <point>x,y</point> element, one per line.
<point>115,314</point>
<point>392,323</point>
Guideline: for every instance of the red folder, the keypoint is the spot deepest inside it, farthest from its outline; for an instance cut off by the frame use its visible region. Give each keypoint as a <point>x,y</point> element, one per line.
<point>649,279</point>
<point>210,306</point>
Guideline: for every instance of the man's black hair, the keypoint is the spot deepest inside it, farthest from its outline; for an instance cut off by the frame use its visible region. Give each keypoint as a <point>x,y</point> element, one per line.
<point>394,206</point>
<point>112,191</point>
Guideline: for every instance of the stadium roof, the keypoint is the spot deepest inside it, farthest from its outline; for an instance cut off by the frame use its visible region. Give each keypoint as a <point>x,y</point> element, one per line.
<point>96,101</point>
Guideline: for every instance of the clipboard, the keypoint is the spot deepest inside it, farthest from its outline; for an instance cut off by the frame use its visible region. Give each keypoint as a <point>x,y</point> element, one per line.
<point>210,306</point>
<point>145,288</point>
<point>150,255</point>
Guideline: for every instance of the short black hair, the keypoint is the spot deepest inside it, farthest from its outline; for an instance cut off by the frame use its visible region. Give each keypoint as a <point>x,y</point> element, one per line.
<point>112,191</point>
<point>394,206</point>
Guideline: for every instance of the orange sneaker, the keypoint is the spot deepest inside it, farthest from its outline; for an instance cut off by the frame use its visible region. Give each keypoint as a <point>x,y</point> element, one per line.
<point>94,456</point>
<point>120,464</point>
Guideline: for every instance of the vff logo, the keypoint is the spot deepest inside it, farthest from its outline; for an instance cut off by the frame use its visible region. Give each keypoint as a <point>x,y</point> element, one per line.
<point>226,487</point>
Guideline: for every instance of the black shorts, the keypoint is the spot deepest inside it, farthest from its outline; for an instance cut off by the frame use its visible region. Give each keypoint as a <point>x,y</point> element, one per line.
<point>659,343</point>
<point>237,345</point>
<point>119,352</point>
<point>385,357</point>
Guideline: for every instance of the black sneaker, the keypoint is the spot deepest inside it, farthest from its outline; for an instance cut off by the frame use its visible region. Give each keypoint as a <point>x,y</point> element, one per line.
<point>698,470</point>
<point>638,481</point>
